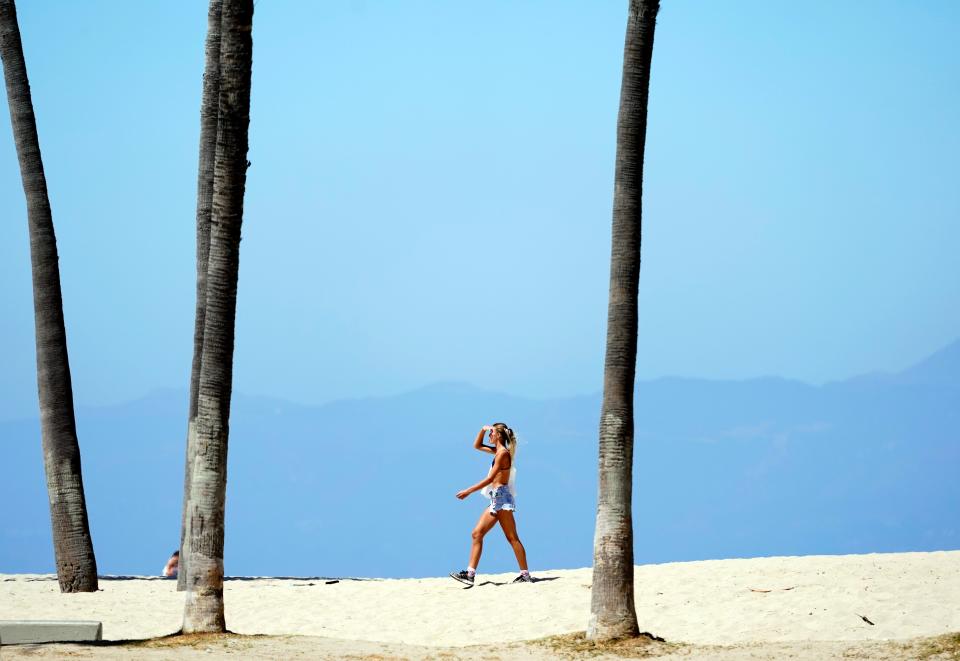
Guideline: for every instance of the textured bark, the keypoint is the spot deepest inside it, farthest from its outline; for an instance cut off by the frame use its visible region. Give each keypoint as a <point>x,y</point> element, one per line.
<point>612,610</point>
<point>203,611</point>
<point>73,548</point>
<point>208,149</point>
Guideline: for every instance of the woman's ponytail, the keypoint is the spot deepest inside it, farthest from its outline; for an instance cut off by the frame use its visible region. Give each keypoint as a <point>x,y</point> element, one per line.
<point>510,437</point>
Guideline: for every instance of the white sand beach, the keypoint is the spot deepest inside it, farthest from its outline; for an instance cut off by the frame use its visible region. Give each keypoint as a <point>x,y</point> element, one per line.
<point>754,607</point>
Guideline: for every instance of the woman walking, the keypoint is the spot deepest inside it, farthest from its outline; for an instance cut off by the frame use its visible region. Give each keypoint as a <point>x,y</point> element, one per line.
<point>498,486</point>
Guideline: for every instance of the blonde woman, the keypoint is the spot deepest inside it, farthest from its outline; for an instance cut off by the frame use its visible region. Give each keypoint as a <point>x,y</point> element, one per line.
<point>498,486</point>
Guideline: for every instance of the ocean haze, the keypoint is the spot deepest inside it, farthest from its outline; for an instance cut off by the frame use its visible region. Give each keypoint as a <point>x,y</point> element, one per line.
<point>366,487</point>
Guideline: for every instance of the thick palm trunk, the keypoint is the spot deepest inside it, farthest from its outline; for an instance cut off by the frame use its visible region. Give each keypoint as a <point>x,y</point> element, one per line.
<point>208,149</point>
<point>73,548</point>
<point>612,610</point>
<point>203,611</point>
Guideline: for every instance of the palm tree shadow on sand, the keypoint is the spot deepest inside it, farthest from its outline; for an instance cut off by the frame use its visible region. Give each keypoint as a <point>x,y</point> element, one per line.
<point>311,580</point>
<point>169,640</point>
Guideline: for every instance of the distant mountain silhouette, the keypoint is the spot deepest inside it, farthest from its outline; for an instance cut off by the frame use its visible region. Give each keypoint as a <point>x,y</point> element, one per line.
<point>940,369</point>
<point>365,486</point>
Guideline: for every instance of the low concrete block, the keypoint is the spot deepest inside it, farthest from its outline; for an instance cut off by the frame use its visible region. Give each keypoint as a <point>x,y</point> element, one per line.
<point>18,632</point>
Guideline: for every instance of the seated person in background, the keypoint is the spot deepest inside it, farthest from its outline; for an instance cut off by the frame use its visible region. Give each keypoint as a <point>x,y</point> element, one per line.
<point>170,569</point>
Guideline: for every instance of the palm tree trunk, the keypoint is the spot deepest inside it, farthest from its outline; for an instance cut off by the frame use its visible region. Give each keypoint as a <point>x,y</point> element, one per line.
<point>612,610</point>
<point>208,147</point>
<point>203,611</point>
<point>73,548</point>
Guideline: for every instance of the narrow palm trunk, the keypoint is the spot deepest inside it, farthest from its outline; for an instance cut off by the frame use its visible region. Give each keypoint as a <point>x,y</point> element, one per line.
<point>612,610</point>
<point>203,611</point>
<point>208,148</point>
<point>73,548</point>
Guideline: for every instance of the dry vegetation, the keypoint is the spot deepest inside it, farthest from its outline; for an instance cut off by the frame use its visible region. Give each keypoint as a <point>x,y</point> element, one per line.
<point>576,645</point>
<point>197,640</point>
<point>230,647</point>
<point>940,647</point>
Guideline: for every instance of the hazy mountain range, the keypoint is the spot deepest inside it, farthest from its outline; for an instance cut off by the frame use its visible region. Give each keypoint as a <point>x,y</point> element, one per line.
<point>366,486</point>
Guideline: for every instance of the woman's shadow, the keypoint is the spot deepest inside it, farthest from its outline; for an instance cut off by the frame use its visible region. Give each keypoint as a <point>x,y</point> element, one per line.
<point>532,580</point>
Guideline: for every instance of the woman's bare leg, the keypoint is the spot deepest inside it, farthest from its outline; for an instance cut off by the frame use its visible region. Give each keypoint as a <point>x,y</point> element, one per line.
<point>486,522</point>
<point>509,526</point>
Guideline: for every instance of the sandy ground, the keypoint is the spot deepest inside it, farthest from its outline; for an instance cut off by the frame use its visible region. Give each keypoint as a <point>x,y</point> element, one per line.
<point>809,607</point>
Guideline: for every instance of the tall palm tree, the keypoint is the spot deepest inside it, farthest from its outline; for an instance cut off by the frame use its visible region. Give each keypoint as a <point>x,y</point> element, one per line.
<point>208,147</point>
<point>73,548</point>
<point>203,611</point>
<point>612,611</point>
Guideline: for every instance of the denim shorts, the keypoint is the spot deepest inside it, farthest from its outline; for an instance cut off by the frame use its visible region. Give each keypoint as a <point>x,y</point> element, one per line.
<point>502,499</point>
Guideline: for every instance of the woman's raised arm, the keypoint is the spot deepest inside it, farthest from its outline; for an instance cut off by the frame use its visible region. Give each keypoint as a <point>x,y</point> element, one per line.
<point>478,442</point>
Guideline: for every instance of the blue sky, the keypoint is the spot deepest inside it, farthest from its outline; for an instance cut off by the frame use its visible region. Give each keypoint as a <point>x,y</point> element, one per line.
<point>431,189</point>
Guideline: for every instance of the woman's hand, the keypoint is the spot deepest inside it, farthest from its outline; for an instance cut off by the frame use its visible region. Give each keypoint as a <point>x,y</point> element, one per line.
<point>487,428</point>
<point>463,494</point>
